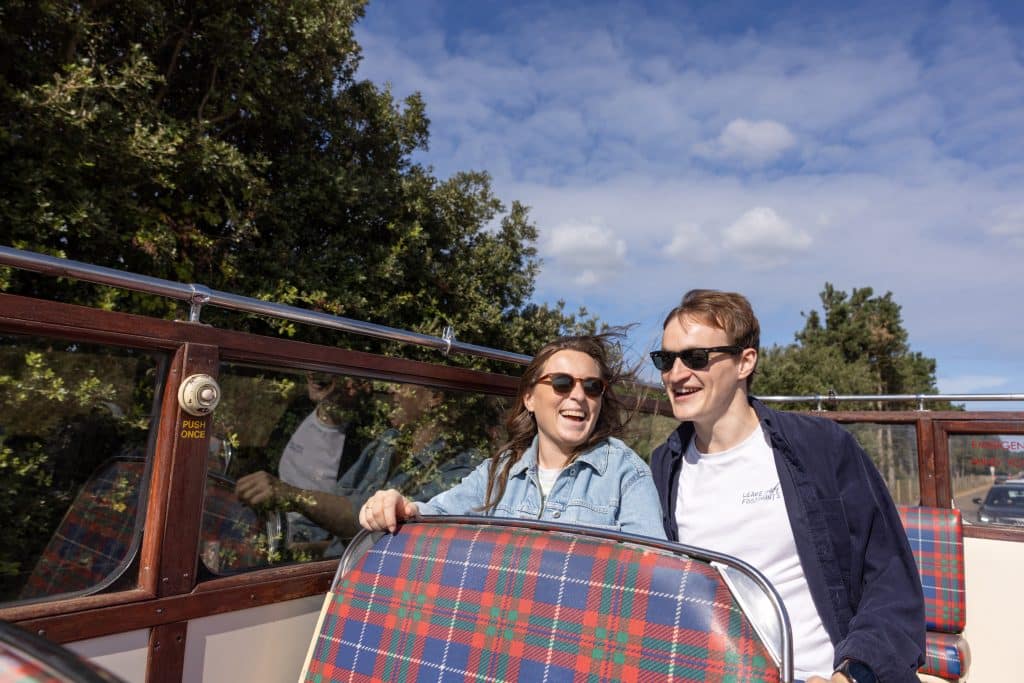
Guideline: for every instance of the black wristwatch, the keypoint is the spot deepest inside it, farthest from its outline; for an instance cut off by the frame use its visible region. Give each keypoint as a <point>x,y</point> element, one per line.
<point>857,672</point>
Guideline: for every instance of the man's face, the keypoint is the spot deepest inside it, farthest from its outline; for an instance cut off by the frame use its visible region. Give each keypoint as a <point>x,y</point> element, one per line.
<point>704,396</point>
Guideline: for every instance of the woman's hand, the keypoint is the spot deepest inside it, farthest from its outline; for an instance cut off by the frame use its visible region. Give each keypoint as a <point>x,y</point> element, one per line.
<point>386,510</point>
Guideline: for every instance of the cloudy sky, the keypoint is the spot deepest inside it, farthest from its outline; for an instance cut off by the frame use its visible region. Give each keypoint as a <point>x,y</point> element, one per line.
<point>764,147</point>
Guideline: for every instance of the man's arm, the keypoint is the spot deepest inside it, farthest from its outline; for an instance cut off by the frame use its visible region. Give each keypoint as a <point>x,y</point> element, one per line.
<point>887,631</point>
<point>334,513</point>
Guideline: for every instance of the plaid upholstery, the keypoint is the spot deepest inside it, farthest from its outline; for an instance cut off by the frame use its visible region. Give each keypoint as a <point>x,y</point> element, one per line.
<point>445,601</point>
<point>233,537</point>
<point>937,540</point>
<point>16,667</point>
<point>947,656</point>
<point>95,536</point>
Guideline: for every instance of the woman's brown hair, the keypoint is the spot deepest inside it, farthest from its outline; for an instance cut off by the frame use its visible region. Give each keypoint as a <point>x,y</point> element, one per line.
<point>519,422</point>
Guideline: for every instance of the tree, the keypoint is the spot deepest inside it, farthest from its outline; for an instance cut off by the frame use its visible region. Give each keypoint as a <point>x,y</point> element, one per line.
<point>232,144</point>
<point>861,347</point>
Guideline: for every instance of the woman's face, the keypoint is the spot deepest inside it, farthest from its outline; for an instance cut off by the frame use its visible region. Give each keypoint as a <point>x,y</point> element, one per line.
<point>564,419</point>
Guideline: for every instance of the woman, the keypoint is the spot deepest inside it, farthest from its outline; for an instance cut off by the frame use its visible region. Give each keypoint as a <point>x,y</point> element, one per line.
<point>563,461</point>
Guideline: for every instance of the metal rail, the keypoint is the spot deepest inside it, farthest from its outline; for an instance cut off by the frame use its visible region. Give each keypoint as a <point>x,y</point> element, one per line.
<point>199,295</point>
<point>820,399</point>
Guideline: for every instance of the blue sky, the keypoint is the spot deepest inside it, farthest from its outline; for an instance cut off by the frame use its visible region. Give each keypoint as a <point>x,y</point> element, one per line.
<point>763,147</point>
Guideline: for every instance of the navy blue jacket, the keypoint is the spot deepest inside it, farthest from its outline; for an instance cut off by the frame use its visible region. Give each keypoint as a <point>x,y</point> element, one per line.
<point>849,537</point>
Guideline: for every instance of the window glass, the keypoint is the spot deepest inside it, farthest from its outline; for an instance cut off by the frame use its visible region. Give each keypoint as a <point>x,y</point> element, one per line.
<point>75,421</point>
<point>988,477</point>
<point>893,449</point>
<point>327,434</point>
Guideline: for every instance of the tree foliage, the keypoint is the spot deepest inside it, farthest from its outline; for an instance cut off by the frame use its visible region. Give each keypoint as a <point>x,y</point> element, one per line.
<point>232,144</point>
<point>857,345</point>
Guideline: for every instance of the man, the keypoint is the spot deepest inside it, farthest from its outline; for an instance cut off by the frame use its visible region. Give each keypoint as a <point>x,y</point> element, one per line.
<point>427,469</point>
<point>313,455</point>
<point>793,495</point>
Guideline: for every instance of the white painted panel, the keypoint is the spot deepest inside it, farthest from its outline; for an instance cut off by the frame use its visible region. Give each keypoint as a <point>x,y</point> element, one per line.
<point>261,645</point>
<point>994,605</point>
<point>123,654</point>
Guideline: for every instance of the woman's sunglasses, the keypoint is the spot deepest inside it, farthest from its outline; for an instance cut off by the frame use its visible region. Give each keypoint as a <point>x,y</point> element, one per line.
<point>695,359</point>
<point>594,387</point>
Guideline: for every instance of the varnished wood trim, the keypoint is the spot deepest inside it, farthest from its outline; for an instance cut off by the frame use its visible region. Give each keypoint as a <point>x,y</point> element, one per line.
<point>106,621</point>
<point>71,606</point>
<point>988,426</point>
<point>166,662</point>
<point>25,315</point>
<point>994,533</point>
<point>160,479</point>
<point>926,463</point>
<point>184,502</point>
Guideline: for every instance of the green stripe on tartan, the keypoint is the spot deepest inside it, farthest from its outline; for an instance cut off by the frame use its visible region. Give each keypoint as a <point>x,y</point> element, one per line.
<point>620,585</point>
<point>498,660</point>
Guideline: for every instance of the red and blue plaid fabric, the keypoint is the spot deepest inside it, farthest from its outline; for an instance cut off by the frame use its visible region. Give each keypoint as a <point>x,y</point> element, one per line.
<point>444,601</point>
<point>16,667</point>
<point>947,656</point>
<point>95,536</point>
<point>233,536</point>
<point>937,539</point>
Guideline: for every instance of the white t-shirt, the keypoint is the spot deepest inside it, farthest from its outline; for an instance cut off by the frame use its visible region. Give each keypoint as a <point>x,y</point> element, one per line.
<point>547,479</point>
<point>310,460</point>
<point>731,502</point>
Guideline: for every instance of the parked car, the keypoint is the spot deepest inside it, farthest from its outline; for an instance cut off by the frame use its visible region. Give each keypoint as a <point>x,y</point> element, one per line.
<point>1003,504</point>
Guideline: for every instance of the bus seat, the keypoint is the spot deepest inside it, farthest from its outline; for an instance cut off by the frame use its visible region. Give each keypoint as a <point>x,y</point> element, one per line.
<point>233,536</point>
<point>482,599</point>
<point>937,540</point>
<point>92,545</point>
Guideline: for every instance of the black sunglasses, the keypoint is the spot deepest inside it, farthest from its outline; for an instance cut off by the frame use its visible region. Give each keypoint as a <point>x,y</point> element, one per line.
<point>594,387</point>
<point>695,359</point>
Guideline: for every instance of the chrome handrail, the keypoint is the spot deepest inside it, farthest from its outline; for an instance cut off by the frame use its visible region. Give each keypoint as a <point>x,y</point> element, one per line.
<point>820,399</point>
<point>199,295</point>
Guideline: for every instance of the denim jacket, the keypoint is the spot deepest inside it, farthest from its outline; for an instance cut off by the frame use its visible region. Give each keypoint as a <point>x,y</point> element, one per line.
<point>848,534</point>
<point>608,487</point>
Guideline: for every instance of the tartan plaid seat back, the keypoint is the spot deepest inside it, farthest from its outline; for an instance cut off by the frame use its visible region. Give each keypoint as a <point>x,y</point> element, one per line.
<point>488,601</point>
<point>233,537</point>
<point>937,540</point>
<point>94,542</point>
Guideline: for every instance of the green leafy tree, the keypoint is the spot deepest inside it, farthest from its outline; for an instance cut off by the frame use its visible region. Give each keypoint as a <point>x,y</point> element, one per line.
<point>233,144</point>
<point>857,345</point>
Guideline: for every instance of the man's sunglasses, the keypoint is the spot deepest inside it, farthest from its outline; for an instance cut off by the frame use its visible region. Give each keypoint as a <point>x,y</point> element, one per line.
<point>594,387</point>
<point>695,359</point>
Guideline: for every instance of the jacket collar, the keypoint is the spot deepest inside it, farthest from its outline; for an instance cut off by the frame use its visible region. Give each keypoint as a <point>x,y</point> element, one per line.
<point>679,439</point>
<point>596,457</point>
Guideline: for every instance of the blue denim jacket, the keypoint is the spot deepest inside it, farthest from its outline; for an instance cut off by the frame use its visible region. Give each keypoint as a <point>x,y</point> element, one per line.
<point>851,543</point>
<point>608,487</point>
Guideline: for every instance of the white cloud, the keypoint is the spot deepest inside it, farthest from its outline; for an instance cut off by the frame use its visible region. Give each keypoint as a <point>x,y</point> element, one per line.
<point>752,143</point>
<point>764,239</point>
<point>588,250</point>
<point>1009,225</point>
<point>881,145</point>
<point>692,243</point>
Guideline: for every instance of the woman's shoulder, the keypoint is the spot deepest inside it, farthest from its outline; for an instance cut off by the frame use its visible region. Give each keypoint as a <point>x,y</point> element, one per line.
<point>625,455</point>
